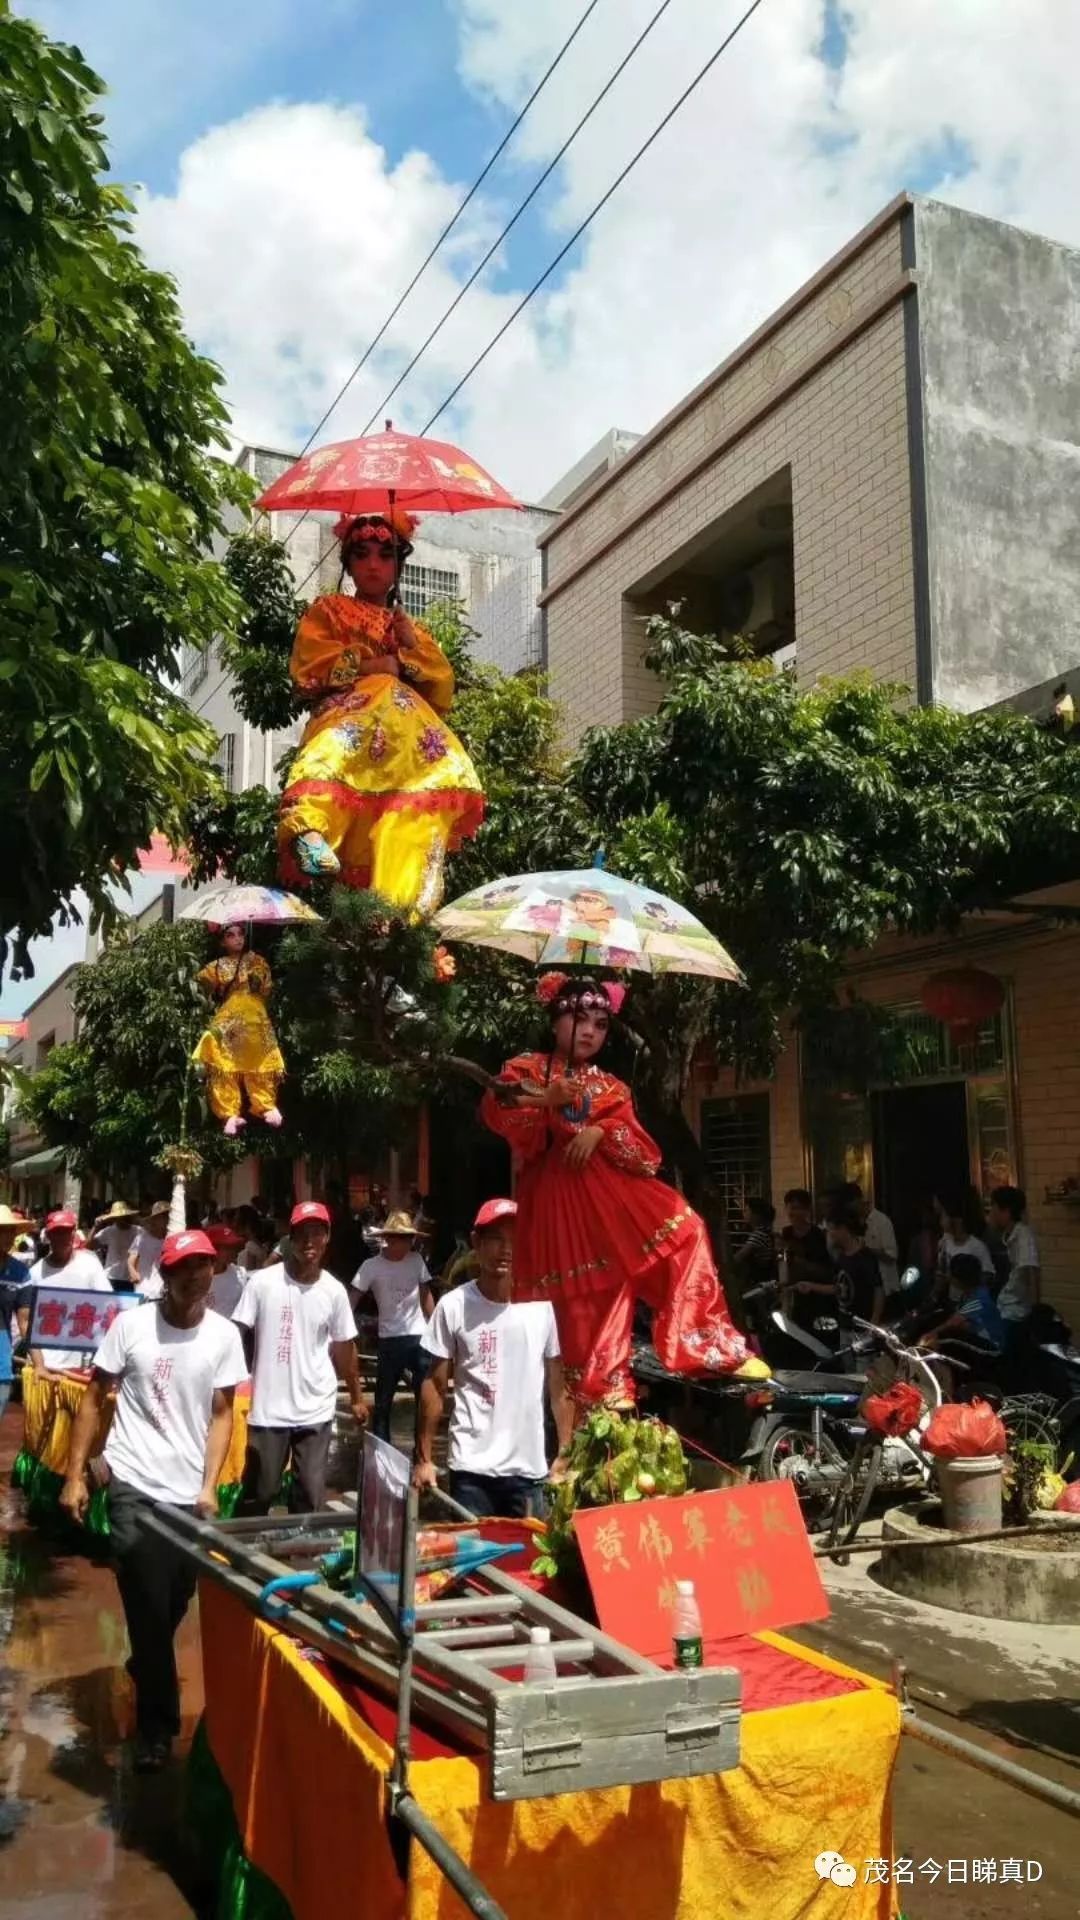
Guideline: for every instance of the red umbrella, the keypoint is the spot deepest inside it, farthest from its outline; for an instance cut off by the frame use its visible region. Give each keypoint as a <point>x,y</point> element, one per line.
<point>361,476</point>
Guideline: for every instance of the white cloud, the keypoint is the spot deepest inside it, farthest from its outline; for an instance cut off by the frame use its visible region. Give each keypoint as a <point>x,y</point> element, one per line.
<point>292,234</point>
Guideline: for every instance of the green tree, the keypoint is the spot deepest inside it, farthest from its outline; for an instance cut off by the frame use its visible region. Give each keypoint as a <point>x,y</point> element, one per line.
<point>800,827</point>
<point>110,494</point>
<point>125,1091</point>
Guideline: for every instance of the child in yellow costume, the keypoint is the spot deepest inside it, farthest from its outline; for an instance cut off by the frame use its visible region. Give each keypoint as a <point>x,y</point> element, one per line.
<point>239,1048</point>
<point>380,788</point>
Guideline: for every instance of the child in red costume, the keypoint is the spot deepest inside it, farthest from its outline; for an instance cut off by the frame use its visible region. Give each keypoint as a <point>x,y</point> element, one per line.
<point>596,1229</point>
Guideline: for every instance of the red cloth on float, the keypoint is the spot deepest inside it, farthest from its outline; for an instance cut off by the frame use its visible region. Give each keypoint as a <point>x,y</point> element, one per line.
<point>594,1239</point>
<point>772,1676</point>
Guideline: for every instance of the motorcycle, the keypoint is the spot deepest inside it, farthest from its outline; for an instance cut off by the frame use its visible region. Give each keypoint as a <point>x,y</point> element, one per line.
<point>811,1430</point>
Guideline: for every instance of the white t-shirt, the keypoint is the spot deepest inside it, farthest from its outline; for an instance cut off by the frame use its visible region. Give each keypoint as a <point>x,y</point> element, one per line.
<point>497,1349</point>
<point>1014,1302</point>
<point>396,1285</point>
<point>147,1248</point>
<point>84,1272</point>
<point>977,1248</point>
<point>292,1379</point>
<point>115,1245</point>
<point>879,1238</point>
<point>226,1288</point>
<point>168,1377</point>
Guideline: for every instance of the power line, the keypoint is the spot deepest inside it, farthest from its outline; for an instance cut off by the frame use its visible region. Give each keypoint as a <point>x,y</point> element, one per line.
<point>497,243</point>
<point>448,229</point>
<point>516,216</point>
<point>598,208</point>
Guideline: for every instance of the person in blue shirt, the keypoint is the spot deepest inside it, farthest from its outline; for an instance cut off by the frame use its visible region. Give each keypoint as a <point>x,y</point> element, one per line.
<point>976,1319</point>
<point>14,1298</point>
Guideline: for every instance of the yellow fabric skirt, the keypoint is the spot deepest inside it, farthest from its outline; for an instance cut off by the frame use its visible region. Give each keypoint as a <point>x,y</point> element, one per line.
<point>389,787</point>
<point>240,1038</point>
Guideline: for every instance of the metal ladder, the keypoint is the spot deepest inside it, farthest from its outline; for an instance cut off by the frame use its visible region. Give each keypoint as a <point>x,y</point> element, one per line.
<point>612,1717</point>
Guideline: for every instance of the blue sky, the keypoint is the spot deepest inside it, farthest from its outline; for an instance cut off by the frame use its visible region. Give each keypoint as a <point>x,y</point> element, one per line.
<point>296,158</point>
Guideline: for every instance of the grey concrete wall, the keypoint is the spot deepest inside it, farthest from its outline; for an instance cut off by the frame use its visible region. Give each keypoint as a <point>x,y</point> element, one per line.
<point>999,326</point>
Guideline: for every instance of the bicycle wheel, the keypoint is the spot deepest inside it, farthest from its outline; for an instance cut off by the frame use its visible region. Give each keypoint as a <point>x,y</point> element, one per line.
<point>853,1497</point>
<point>1030,1416</point>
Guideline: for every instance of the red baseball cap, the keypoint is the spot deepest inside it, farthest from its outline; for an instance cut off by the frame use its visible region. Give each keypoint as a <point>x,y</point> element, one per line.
<point>185,1246</point>
<point>63,1217</point>
<point>493,1210</point>
<point>309,1210</point>
<point>222,1237</point>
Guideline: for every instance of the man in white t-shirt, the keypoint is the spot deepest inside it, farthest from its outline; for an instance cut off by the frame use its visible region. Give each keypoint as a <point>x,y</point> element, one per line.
<point>878,1235</point>
<point>112,1241</point>
<point>398,1278</point>
<point>1020,1293</point>
<point>64,1265</point>
<point>176,1365</point>
<point>503,1353</point>
<point>229,1279</point>
<point>300,1338</point>
<point>143,1260</point>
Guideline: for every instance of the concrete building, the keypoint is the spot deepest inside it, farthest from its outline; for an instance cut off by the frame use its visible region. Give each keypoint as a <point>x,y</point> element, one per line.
<point>36,1175</point>
<point>486,561</point>
<point>882,477</point>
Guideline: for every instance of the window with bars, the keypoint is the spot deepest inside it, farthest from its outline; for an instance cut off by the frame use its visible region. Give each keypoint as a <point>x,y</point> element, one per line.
<point>197,671</point>
<point>226,761</point>
<point>735,1142</point>
<point>421,587</point>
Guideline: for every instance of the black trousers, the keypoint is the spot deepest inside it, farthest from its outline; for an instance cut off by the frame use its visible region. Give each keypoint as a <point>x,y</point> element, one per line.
<point>156,1585</point>
<point>268,1449</point>
<point>396,1356</point>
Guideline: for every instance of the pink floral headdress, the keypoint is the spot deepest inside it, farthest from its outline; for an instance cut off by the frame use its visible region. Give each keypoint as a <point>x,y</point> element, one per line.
<point>565,994</point>
<point>384,529</point>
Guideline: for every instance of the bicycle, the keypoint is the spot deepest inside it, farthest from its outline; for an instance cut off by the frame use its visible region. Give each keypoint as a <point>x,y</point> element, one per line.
<point>876,1456</point>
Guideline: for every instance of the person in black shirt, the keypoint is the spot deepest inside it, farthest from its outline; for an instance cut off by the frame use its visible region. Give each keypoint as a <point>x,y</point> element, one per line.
<point>858,1273</point>
<point>807,1270</point>
<point>755,1260</point>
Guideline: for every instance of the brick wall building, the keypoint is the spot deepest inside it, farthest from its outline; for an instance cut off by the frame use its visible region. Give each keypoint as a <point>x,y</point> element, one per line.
<point>880,478</point>
<point>839,483</point>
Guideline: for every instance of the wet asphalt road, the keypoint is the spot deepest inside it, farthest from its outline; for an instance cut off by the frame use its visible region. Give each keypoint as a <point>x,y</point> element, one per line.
<point>83,1838</point>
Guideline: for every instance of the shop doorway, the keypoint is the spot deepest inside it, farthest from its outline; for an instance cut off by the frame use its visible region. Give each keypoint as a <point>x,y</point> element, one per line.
<point>921,1147</point>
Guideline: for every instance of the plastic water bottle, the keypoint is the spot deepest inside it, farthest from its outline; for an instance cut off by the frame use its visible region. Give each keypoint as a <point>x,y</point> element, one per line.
<point>686,1626</point>
<point>540,1668</point>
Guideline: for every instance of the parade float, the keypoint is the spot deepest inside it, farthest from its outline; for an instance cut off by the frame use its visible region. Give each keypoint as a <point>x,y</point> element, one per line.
<point>368,1744</point>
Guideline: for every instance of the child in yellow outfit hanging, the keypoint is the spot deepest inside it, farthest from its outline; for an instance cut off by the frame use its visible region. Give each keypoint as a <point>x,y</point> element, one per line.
<point>239,1048</point>
<point>380,788</point>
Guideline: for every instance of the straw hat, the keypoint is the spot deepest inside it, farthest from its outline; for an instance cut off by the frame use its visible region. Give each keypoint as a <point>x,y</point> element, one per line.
<point>115,1214</point>
<point>10,1219</point>
<point>398,1226</point>
<point>159,1210</point>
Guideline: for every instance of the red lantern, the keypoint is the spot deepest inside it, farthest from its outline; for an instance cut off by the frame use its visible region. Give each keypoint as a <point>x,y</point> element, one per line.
<point>964,998</point>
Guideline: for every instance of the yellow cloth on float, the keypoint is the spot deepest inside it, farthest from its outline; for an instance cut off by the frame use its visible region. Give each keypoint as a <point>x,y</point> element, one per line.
<point>307,1779</point>
<point>51,1402</point>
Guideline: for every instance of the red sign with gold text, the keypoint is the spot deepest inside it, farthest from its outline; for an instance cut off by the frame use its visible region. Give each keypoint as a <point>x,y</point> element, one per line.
<point>745,1549</point>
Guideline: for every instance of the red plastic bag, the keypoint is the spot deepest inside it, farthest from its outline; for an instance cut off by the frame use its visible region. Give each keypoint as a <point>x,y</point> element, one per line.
<point>971,1431</point>
<point>896,1411</point>
<point>1069,1501</point>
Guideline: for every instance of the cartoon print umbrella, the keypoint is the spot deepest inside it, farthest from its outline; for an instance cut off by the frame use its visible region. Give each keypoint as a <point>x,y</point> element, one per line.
<point>586,918</point>
<point>233,905</point>
<point>363,476</point>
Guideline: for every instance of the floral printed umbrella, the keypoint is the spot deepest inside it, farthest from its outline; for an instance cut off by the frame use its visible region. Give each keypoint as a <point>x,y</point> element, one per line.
<point>585,918</point>
<point>361,476</point>
<point>236,905</point>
